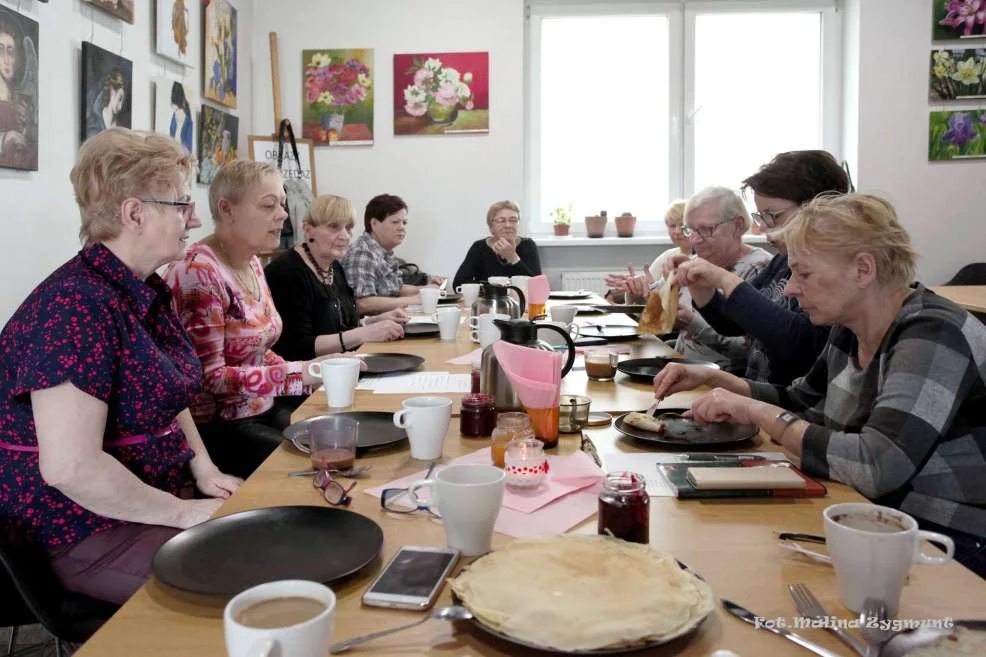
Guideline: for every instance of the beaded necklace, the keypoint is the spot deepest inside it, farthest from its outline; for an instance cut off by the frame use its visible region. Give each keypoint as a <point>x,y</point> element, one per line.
<point>324,275</point>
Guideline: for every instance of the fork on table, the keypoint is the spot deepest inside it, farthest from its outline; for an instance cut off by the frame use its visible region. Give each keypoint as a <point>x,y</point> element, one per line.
<point>809,607</point>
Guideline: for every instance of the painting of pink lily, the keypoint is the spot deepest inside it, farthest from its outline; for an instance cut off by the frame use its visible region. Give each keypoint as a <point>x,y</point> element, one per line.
<point>959,19</point>
<point>441,93</point>
<point>957,74</point>
<point>957,135</point>
<point>337,99</point>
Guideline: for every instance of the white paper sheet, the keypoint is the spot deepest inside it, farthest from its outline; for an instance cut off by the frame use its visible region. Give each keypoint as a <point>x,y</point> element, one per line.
<point>417,382</point>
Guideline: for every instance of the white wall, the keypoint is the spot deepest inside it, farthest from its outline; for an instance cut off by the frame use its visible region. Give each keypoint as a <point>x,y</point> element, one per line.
<point>39,222</point>
<point>448,181</point>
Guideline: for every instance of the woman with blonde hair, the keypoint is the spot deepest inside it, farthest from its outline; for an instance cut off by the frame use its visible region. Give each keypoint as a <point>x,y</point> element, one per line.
<point>312,295</point>
<point>634,287</point>
<point>504,252</point>
<point>98,450</point>
<point>893,405</point>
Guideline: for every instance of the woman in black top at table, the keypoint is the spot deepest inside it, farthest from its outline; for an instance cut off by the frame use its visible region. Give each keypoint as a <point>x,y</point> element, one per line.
<point>312,295</point>
<point>503,253</point>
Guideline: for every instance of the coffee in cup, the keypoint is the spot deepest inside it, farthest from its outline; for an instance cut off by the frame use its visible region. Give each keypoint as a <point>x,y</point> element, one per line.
<point>286,617</point>
<point>279,612</point>
<point>600,364</point>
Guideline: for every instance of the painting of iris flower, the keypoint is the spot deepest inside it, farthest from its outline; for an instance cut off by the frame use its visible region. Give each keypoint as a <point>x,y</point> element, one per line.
<point>957,135</point>
<point>959,19</point>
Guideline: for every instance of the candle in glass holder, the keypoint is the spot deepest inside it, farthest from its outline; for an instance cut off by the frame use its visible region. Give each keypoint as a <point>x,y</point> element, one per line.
<point>525,462</point>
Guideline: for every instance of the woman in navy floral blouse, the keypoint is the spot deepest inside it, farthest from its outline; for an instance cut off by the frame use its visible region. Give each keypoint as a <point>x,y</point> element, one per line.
<point>98,451</point>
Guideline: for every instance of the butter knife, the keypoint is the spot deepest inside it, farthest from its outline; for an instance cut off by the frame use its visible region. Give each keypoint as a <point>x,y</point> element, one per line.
<point>758,621</point>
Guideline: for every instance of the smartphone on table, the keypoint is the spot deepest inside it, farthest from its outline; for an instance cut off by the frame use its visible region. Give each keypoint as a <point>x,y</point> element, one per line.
<point>413,578</point>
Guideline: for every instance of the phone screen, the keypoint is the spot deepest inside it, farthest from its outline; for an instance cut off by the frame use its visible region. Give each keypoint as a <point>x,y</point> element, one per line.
<point>413,573</point>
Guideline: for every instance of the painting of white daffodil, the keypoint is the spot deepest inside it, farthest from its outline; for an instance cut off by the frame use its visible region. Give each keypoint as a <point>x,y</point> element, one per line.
<point>441,93</point>
<point>957,74</point>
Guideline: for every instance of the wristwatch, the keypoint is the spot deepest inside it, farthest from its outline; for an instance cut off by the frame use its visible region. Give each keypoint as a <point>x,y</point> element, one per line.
<point>787,417</point>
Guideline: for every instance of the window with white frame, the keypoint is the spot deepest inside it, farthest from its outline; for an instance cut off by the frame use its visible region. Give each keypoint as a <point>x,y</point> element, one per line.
<point>632,105</point>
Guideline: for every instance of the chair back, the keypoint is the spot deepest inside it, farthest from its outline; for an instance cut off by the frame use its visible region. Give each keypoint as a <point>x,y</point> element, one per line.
<point>972,274</point>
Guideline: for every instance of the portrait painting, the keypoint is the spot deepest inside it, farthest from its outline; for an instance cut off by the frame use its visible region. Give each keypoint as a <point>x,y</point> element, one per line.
<point>441,93</point>
<point>174,111</point>
<point>957,135</point>
<point>337,98</point>
<point>218,133</point>
<point>219,52</point>
<point>174,30</point>
<point>122,9</point>
<point>18,91</point>
<point>107,85</point>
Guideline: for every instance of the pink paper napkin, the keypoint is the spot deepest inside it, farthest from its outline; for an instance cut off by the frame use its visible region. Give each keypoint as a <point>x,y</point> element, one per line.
<point>534,374</point>
<point>566,474</point>
<point>538,289</point>
<point>472,358</point>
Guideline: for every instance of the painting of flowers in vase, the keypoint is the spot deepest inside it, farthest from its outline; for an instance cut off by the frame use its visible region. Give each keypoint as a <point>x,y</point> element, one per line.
<point>441,93</point>
<point>959,19</point>
<point>337,99</point>
<point>219,52</point>
<point>957,135</point>
<point>957,74</point>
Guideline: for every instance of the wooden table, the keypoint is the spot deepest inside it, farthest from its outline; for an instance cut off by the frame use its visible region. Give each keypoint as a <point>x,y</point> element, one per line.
<point>970,297</point>
<point>732,543</point>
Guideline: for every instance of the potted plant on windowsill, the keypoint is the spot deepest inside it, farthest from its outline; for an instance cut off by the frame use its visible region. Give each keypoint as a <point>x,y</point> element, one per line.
<point>625,224</point>
<point>561,219</point>
<point>595,225</point>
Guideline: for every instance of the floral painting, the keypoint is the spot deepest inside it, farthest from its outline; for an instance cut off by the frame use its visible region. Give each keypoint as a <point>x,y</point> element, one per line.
<point>219,52</point>
<point>218,133</point>
<point>122,9</point>
<point>107,85</point>
<point>439,93</point>
<point>18,91</point>
<point>957,135</point>
<point>959,19</point>
<point>174,30</point>
<point>337,99</point>
<point>957,74</point>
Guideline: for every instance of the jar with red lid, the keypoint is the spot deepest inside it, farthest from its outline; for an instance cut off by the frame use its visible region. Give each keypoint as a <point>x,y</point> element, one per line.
<point>477,416</point>
<point>624,507</point>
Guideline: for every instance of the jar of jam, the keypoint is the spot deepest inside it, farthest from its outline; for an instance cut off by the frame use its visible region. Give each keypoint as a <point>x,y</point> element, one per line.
<point>624,507</point>
<point>508,427</point>
<point>477,416</point>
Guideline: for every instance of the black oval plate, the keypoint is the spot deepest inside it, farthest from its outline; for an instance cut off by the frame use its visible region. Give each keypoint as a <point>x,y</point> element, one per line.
<point>376,429</point>
<point>610,333</point>
<point>455,297</point>
<point>619,308</point>
<point>420,329</point>
<point>570,294</point>
<point>686,432</point>
<point>645,369</point>
<point>386,363</point>
<point>226,555</point>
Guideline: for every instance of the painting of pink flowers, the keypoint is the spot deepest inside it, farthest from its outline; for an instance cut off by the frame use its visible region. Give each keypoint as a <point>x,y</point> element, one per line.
<point>337,98</point>
<point>959,19</point>
<point>957,135</point>
<point>441,93</point>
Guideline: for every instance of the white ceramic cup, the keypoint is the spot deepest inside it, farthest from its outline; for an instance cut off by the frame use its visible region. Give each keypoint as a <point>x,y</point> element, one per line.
<point>484,331</point>
<point>310,638</point>
<point>469,292</point>
<point>339,377</point>
<point>429,299</point>
<point>469,498</point>
<point>552,337</point>
<point>874,564</point>
<point>520,282</point>
<point>563,314</point>
<point>499,280</point>
<point>426,421</point>
<point>448,322</point>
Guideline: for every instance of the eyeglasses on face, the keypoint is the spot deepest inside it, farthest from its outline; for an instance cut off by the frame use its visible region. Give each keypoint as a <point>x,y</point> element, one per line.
<point>768,219</point>
<point>705,232</point>
<point>186,208</point>
<point>333,492</point>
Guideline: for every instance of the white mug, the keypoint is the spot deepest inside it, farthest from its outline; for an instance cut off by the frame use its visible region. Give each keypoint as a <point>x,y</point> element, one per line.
<point>426,420</point>
<point>563,313</point>
<point>339,377</point>
<point>484,331</point>
<point>448,322</point>
<point>469,292</point>
<point>552,337</point>
<point>872,548</point>
<point>429,299</point>
<point>309,638</point>
<point>520,282</point>
<point>469,498</point>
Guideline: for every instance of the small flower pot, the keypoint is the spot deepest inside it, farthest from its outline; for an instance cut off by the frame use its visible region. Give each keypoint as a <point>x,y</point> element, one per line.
<point>625,224</point>
<point>561,230</point>
<point>595,226</point>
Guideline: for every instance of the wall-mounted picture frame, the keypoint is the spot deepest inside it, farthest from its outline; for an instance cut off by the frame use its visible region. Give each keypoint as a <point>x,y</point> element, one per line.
<point>337,96</point>
<point>957,74</point>
<point>176,111</point>
<point>957,135</point>
<point>263,148</point>
<point>219,52</point>
<point>218,137</point>
<point>441,93</point>
<point>18,91</point>
<point>174,30</point>
<point>122,9</point>
<point>107,88</point>
<point>958,19</point>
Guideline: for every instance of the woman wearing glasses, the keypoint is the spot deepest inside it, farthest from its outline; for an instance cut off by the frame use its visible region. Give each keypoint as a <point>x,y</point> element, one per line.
<point>504,252</point>
<point>783,341</point>
<point>98,450</point>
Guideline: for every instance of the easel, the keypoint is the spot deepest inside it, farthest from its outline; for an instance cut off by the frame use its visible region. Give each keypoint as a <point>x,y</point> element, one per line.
<point>275,80</point>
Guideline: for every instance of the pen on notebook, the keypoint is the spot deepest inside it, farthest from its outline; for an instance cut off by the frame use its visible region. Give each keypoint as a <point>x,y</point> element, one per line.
<point>698,456</point>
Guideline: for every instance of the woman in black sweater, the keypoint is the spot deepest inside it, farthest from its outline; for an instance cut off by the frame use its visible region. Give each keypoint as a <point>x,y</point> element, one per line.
<point>311,294</point>
<point>503,253</point>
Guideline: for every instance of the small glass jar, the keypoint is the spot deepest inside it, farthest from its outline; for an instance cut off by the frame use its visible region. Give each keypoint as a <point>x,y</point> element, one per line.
<point>526,465</point>
<point>508,427</point>
<point>477,416</point>
<point>624,507</point>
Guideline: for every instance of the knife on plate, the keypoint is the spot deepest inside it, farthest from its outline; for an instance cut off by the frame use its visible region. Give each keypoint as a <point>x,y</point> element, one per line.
<point>699,456</point>
<point>759,622</point>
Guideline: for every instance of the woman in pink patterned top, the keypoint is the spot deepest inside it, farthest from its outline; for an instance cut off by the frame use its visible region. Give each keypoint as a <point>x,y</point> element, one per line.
<point>222,298</point>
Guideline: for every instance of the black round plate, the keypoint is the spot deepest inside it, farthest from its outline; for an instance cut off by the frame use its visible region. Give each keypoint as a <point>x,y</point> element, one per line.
<point>610,333</point>
<point>226,555</point>
<point>420,330</point>
<point>455,297</point>
<point>386,363</point>
<point>645,369</point>
<point>376,429</point>
<point>570,294</point>
<point>619,308</point>
<point>686,432</point>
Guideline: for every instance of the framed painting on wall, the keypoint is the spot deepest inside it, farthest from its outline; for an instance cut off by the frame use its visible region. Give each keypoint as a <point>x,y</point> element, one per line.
<point>263,148</point>
<point>957,135</point>
<point>218,134</point>
<point>957,74</point>
<point>122,9</point>
<point>173,32</point>
<point>18,91</point>
<point>441,93</point>
<point>107,86</point>
<point>174,111</point>
<point>337,98</point>
<point>219,52</point>
<point>958,19</point>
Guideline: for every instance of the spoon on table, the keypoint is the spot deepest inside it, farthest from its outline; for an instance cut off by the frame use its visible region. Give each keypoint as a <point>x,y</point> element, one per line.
<point>451,613</point>
<point>351,473</point>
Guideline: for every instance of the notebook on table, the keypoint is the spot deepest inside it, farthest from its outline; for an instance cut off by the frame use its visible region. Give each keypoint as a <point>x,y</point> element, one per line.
<point>739,479</point>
